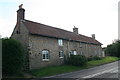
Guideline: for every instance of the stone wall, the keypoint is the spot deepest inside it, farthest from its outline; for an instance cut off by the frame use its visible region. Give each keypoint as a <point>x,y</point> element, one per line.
<point>22,37</point>
<point>39,43</point>
<point>35,44</point>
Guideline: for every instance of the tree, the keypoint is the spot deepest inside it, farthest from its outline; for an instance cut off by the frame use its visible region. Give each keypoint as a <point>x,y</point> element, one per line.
<point>118,48</point>
<point>12,56</point>
<point>113,49</point>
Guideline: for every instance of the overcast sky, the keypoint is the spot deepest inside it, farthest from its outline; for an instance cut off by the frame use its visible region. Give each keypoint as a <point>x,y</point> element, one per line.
<point>99,17</point>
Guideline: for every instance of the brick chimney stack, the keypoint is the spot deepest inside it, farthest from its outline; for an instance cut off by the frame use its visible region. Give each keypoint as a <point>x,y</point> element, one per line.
<point>20,13</point>
<point>93,36</point>
<point>75,30</point>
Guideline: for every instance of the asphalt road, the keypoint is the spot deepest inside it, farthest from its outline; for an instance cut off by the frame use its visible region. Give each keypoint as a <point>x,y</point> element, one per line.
<point>104,71</point>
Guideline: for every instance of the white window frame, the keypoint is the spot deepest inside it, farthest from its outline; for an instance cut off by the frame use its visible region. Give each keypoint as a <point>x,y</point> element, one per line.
<point>61,54</point>
<point>74,52</point>
<point>46,54</point>
<point>60,42</point>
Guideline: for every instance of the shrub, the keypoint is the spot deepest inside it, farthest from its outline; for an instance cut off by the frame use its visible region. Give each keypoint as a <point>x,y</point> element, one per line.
<point>96,58</point>
<point>76,60</point>
<point>93,58</point>
<point>12,57</point>
<point>90,58</point>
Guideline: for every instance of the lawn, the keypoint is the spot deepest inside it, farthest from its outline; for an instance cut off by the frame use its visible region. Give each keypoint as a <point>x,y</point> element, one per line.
<point>53,70</point>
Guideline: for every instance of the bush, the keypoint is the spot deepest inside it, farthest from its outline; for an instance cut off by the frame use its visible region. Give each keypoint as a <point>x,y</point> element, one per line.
<point>96,58</point>
<point>76,60</point>
<point>90,58</point>
<point>93,58</point>
<point>12,57</point>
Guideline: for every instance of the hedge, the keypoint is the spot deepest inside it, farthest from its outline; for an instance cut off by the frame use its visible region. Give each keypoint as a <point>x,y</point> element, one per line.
<point>12,57</point>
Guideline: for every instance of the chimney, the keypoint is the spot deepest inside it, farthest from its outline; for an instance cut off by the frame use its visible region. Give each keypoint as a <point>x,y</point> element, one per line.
<point>75,30</point>
<point>20,13</point>
<point>93,36</point>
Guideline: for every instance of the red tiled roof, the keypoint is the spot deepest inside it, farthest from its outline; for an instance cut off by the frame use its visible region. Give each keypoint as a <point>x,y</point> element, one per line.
<point>45,30</point>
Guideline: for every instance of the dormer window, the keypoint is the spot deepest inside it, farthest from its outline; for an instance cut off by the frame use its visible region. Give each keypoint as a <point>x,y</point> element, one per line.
<point>60,42</point>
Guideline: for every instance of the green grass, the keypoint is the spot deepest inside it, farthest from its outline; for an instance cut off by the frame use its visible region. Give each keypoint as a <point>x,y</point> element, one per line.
<point>53,70</point>
<point>17,75</point>
<point>102,61</point>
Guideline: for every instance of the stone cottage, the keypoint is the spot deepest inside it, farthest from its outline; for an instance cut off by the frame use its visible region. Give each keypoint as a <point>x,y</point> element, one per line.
<point>46,45</point>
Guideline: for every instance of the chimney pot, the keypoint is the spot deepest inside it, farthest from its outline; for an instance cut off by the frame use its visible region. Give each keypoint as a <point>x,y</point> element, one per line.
<point>75,30</point>
<point>20,6</point>
<point>20,13</point>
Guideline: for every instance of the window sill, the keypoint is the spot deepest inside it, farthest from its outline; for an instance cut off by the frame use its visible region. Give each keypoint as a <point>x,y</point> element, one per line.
<point>61,57</point>
<point>45,60</point>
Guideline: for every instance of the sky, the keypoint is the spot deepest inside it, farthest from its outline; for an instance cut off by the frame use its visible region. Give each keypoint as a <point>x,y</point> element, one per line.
<point>99,17</point>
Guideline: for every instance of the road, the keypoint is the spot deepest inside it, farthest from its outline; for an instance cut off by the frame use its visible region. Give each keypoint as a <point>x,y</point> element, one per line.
<point>104,71</point>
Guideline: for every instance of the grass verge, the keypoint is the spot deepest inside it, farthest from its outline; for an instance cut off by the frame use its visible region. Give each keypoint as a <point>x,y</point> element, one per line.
<point>105,60</point>
<point>53,70</point>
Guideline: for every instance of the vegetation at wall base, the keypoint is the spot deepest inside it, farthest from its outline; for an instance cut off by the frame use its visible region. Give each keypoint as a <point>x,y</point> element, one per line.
<point>76,60</point>
<point>93,58</point>
<point>53,70</point>
<point>12,57</point>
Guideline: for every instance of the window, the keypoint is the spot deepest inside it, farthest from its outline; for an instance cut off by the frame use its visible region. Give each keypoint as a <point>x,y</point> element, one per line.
<point>18,32</point>
<point>81,45</point>
<point>81,52</point>
<point>60,42</point>
<point>75,44</point>
<point>73,53</point>
<point>45,55</point>
<point>86,45</point>
<point>61,54</point>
